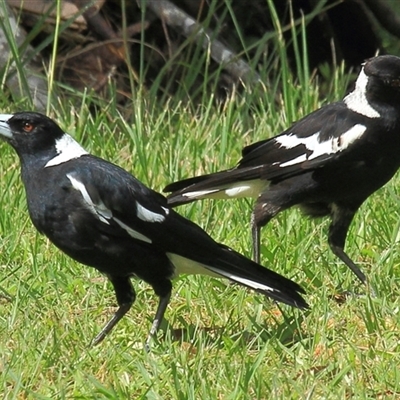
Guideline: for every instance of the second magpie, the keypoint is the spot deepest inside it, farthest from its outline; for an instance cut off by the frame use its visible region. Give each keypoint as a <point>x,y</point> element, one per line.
<point>328,163</point>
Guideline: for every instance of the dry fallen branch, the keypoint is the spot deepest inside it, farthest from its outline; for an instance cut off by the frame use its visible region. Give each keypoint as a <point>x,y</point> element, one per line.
<point>36,83</point>
<point>178,19</point>
<point>42,7</point>
<point>95,41</point>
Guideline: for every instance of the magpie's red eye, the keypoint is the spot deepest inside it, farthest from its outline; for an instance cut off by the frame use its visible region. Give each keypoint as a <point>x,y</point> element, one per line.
<point>27,127</point>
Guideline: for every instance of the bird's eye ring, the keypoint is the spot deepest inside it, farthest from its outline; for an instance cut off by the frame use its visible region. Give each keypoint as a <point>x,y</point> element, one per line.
<point>27,127</point>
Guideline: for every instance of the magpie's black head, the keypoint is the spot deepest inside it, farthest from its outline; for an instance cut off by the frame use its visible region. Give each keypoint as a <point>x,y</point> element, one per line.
<point>29,132</point>
<point>383,74</point>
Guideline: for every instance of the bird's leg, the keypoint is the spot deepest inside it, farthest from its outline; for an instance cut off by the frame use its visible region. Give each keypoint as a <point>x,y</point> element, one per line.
<point>162,306</point>
<point>263,212</point>
<point>255,233</point>
<point>125,297</point>
<point>341,220</point>
<point>122,310</point>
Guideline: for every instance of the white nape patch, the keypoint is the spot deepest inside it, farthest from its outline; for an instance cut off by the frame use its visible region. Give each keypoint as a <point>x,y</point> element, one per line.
<point>67,149</point>
<point>99,210</point>
<point>185,265</point>
<point>357,100</point>
<point>250,188</point>
<point>132,232</point>
<point>331,146</point>
<point>148,216</point>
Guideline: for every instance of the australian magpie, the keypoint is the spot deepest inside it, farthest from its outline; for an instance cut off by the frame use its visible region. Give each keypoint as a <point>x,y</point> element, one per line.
<point>103,217</point>
<point>328,162</point>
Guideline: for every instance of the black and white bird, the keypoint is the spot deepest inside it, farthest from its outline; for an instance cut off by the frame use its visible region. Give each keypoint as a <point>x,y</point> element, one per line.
<point>328,163</point>
<point>103,217</point>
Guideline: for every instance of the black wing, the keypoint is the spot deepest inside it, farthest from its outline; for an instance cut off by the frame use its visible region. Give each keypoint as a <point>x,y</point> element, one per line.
<point>322,129</point>
<point>125,207</point>
<point>314,141</point>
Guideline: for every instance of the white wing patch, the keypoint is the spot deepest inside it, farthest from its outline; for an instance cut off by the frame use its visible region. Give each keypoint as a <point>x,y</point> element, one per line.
<point>357,100</point>
<point>248,282</point>
<point>317,148</point>
<point>289,141</point>
<point>101,211</point>
<point>296,160</point>
<point>67,149</point>
<point>149,216</point>
<point>250,188</point>
<point>351,136</point>
<point>200,193</point>
<point>132,232</point>
<point>185,265</point>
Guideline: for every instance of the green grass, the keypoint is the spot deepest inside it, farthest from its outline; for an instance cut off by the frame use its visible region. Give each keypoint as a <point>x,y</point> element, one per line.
<point>219,341</point>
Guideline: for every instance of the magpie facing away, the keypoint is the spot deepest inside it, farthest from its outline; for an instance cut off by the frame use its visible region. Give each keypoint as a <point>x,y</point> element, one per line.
<point>328,163</point>
<point>103,217</point>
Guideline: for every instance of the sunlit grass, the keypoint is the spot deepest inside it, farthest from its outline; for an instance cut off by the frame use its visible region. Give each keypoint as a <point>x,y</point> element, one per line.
<point>219,341</point>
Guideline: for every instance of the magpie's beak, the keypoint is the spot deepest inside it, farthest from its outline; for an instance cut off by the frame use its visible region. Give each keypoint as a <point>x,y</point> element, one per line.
<point>5,130</point>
